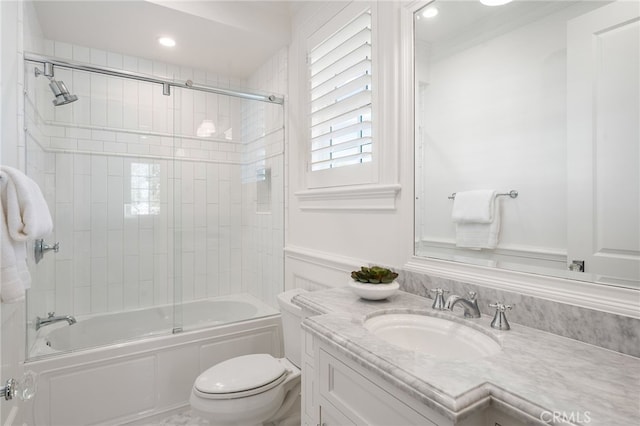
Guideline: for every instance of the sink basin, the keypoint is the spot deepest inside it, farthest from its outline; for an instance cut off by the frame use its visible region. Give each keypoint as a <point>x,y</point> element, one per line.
<point>433,336</point>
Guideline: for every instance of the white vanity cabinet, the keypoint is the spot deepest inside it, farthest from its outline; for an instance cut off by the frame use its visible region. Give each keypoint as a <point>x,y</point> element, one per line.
<point>343,389</point>
<point>336,391</point>
<point>339,392</point>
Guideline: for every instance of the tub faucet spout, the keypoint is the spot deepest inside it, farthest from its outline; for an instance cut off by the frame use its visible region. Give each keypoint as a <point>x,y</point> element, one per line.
<point>470,305</point>
<point>52,318</point>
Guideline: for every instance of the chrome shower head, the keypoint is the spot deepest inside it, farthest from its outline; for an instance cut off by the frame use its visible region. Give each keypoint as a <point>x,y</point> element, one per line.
<point>61,93</point>
<point>58,88</point>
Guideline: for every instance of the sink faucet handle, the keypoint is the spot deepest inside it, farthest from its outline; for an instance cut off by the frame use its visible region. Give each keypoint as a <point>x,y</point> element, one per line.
<point>500,319</point>
<point>438,300</point>
<point>472,295</point>
<point>50,314</point>
<point>500,306</point>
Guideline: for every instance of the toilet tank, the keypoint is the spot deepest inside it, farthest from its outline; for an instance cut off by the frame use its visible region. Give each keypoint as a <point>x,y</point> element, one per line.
<point>291,319</point>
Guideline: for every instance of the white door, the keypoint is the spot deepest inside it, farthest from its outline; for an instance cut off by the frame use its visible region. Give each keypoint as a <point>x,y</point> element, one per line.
<point>603,131</point>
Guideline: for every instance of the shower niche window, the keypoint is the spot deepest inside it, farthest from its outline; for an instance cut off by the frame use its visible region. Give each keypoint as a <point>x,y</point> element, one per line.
<point>263,190</point>
<point>145,190</point>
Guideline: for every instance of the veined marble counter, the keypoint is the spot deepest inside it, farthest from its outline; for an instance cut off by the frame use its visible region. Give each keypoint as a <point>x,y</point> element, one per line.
<point>536,375</point>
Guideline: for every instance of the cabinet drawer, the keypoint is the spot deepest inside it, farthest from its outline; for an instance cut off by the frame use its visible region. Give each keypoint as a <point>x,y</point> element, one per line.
<point>360,399</point>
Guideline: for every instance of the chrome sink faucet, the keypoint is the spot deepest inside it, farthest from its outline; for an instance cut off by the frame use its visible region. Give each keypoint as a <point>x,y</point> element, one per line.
<point>470,305</point>
<point>51,319</point>
<point>438,299</point>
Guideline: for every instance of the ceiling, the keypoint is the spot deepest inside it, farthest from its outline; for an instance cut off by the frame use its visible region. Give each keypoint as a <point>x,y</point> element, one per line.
<point>461,24</point>
<point>458,18</point>
<point>231,38</point>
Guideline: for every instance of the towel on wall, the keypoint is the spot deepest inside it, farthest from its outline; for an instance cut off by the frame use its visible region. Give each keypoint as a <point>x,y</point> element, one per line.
<point>477,218</point>
<point>24,216</point>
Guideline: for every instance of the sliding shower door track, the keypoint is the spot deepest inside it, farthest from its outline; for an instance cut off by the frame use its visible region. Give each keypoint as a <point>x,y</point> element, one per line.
<point>164,82</point>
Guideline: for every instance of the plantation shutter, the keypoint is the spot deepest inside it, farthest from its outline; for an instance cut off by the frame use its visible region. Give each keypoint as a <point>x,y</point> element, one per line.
<point>340,100</point>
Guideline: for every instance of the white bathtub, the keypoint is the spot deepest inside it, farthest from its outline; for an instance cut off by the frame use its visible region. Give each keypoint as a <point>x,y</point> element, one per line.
<point>104,370</point>
<point>106,329</point>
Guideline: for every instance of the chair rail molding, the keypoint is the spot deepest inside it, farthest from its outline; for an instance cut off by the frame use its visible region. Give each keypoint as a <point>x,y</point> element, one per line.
<point>326,260</point>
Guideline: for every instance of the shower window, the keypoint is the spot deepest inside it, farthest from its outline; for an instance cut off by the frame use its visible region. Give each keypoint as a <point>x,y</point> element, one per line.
<point>145,189</point>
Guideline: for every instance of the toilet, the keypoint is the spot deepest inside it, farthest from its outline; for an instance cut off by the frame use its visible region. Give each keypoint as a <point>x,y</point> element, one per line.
<point>255,389</point>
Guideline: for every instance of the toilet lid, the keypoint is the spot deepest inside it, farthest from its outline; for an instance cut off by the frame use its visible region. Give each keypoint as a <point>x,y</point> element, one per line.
<point>240,374</point>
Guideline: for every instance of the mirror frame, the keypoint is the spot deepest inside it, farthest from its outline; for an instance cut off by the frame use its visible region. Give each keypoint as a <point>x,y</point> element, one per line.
<point>615,300</point>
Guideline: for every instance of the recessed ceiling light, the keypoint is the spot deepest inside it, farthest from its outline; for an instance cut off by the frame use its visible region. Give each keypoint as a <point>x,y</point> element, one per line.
<point>167,41</point>
<point>495,2</point>
<point>430,12</point>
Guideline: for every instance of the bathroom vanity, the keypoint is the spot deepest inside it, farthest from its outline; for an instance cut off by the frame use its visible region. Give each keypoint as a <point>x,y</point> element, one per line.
<point>353,376</point>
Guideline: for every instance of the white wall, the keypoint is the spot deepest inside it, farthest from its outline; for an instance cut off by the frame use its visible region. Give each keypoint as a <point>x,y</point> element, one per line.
<point>325,241</point>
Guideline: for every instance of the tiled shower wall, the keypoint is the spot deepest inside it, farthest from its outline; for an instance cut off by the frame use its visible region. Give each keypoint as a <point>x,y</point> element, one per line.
<point>263,186</point>
<point>116,229</point>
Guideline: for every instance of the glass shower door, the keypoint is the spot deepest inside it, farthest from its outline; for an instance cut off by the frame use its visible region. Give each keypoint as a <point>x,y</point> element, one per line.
<point>105,163</point>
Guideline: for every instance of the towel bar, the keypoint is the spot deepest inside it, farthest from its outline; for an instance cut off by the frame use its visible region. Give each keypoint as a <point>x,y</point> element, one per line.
<point>512,194</point>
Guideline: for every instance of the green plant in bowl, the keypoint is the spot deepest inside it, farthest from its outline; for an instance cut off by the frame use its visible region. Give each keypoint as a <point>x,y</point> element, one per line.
<point>374,275</point>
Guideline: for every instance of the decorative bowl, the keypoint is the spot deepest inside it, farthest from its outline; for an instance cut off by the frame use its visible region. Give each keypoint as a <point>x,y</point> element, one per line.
<point>374,291</point>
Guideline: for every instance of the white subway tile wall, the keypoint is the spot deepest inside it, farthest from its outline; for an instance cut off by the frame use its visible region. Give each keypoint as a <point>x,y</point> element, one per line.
<point>130,197</point>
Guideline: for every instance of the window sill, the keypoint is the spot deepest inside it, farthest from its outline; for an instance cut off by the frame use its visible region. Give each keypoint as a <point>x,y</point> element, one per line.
<point>351,198</point>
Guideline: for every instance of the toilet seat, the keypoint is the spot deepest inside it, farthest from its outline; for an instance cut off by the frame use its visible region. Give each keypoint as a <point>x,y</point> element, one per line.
<point>241,377</point>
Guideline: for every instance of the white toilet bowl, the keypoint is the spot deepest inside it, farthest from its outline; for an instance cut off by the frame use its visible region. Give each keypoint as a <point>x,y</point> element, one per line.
<point>254,389</point>
<point>247,390</point>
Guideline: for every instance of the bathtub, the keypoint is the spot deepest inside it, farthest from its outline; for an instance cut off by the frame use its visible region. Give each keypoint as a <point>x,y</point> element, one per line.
<point>119,368</point>
<point>105,329</point>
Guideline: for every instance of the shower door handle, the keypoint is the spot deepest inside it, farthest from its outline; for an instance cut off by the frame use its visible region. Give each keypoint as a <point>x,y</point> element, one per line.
<point>40,248</point>
<point>24,388</point>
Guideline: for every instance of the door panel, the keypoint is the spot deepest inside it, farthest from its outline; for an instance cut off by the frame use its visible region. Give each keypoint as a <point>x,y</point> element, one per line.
<point>603,142</point>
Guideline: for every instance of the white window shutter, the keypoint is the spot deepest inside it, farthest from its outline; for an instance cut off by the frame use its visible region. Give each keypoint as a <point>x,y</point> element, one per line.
<point>340,97</point>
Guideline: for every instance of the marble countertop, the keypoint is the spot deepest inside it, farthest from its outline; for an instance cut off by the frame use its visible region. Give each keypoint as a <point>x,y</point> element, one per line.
<point>535,375</point>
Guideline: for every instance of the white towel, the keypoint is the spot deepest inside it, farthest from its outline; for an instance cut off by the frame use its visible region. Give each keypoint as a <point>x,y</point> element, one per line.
<point>477,218</point>
<point>474,206</point>
<point>25,216</point>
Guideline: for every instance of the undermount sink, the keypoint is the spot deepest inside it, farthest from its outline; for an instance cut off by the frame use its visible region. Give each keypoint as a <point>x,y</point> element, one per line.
<point>433,336</point>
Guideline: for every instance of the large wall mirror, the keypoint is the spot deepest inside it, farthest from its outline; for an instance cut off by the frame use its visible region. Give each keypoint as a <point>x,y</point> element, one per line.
<point>539,97</point>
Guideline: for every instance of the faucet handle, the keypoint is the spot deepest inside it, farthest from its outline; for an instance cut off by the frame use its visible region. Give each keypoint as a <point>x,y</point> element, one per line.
<point>472,295</point>
<point>438,300</point>
<point>500,306</point>
<point>500,319</point>
<point>50,314</point>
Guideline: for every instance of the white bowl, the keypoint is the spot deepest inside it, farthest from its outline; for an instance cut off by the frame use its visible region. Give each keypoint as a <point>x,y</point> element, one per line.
<point>374,291</point>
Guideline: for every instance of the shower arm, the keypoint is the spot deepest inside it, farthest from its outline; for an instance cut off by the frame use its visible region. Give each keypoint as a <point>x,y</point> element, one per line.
<point>45,73</point>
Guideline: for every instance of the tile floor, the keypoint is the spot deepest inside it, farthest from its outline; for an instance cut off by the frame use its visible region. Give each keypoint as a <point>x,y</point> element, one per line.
<point>185,418</point>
